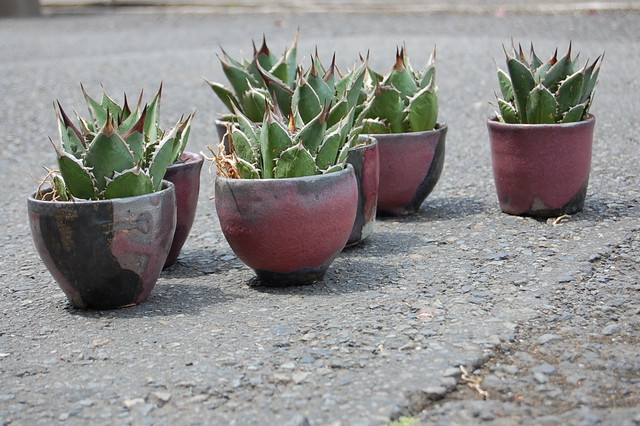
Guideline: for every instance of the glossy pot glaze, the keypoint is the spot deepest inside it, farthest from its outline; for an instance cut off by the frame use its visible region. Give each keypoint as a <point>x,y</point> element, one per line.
<point>541,169</point>
<point>410,167</point>
<point>185,176</point>
<point>365,160</point>
<point>288,230</point>
<point>105,254</point>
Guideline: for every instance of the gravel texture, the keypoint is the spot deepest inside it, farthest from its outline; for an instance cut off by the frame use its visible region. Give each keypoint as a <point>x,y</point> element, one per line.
<point>430,316</point>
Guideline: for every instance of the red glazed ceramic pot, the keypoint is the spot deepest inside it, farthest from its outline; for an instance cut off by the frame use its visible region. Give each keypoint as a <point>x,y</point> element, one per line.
<point>365,160</point>
<point>410,166</point>
<point>105,254</point>
<point>185,176</point>
<point>541,169</point>
<point>288,230</point>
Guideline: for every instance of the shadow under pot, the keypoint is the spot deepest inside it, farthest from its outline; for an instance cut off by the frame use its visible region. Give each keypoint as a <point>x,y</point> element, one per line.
<point>185,176</point>
<point>105,254</point>
<point>541,169</point>
<point>410,166</point>
<point>288,230</point>
<point>365,160</point>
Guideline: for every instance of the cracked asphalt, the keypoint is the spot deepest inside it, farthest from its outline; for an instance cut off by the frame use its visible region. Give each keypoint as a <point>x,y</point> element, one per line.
<point>457,315</point>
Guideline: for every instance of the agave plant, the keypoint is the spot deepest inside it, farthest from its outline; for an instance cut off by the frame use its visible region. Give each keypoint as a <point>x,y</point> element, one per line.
<point>278,148</point>
<point>252,82</point>
<point>401,101</point>
<point>117,152</point>
<point>537,92</point>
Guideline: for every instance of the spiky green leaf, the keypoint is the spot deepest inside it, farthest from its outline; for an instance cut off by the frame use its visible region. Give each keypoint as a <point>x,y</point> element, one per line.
<point>569,92</point>
<point>541,106</point>
<point>242,147</point>
<point>422,111</point>
<point>161,158</point>
<point>274,139</point>
<point>247,170</point>
<point>312,134</point>
<point>523,83</point>
<point>305,101</point>
<point>225,95</point>
<point>328,151</point>
<point>129,183</point>
<point>506,88</point>
<point>574,114</point>
<point>507,112</point>
<point>108,154</point>
<point>295,161</point>
<point>78,179</point>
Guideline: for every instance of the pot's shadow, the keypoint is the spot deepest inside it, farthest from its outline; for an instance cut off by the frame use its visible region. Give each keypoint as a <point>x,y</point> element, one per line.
<point>434,209</point>
<point>196,263</point>
<point>345,275</point>
<point>166,299</point>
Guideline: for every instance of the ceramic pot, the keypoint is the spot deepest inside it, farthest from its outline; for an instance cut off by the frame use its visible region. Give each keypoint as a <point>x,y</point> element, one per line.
<point>541,169</point>
<point>410,166</point>
<point>185,176</point>
<point>105,254</point>
<point>288,230</point>
<point>365,160</point>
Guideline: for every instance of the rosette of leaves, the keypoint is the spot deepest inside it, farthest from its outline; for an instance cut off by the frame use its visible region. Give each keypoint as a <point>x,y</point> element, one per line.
<point>253,82</point>
<point>536,92</point>
<point>278,148</point>
<point>401,101</point>
<point>313,138</point>
<point>117,152</point>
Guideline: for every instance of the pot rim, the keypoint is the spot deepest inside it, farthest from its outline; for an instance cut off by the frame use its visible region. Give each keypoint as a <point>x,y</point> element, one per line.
<point>440,126</point>
<point>369,141</point>
<point>493,121</point>
<point>166,186</point>
<point>348,168</point>
<point>194,157</point>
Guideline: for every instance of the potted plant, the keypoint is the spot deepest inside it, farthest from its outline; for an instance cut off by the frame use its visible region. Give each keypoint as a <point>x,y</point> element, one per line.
<point>104,227</point>
<point>542,134</point>
<point>268,82</point>
<point>252,83</point>
<point>284,197</point>
<point>184,166</point>
<point>401,111</point>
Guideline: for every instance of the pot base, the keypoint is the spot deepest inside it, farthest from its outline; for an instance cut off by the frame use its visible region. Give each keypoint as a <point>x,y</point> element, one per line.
<point>304,276</point>
<point>539,209</point>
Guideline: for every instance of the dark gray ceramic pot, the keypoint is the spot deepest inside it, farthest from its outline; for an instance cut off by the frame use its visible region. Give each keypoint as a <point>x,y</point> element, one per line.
<point>105,254</point>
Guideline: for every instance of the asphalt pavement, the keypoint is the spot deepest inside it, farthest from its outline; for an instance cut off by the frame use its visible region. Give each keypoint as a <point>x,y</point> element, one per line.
<point>457,315</point>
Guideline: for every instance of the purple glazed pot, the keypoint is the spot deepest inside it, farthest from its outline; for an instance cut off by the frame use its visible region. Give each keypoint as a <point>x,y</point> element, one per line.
<point>185,176</point>
<point>365,160</point>
<point>288,230</point>
<point>105,254</point>
<point>410,166</point>
<point>541,169</point>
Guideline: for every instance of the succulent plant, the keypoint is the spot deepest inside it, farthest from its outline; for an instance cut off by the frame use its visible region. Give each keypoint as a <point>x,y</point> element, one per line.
<point>117,152</point>
<point>537,92</point>
<point>253,82</point>
<point>401,101</point>
<point>308,130</point>
<point>278,148</point>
